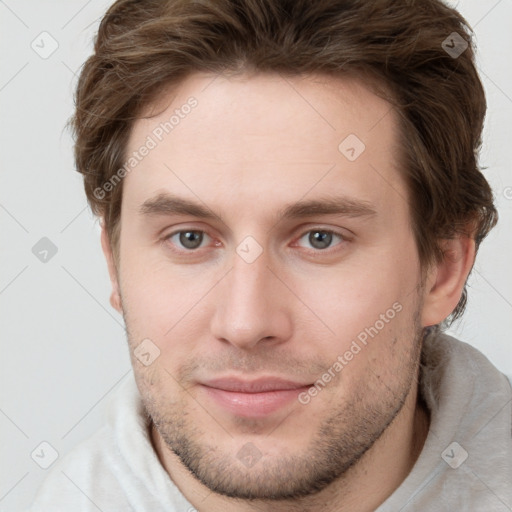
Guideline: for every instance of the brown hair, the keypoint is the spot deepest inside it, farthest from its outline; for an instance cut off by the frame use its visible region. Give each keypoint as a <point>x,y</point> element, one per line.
<point>143,47</point>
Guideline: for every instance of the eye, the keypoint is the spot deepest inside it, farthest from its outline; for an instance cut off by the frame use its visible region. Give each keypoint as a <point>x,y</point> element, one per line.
<point>189,239</point>
<point>321,239</point>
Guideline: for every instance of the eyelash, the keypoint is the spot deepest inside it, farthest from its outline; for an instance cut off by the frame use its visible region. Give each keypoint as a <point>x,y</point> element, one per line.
<point>328,250</point>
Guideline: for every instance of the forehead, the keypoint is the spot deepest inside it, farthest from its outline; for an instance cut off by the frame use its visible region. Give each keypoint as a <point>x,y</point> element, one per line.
<point>231,141</point>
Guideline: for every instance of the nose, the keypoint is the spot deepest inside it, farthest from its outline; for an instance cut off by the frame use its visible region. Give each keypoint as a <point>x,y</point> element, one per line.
<point>252,306</point>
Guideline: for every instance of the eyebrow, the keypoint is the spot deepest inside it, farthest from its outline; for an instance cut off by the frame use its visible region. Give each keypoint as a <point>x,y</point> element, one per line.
<point>168,204</point>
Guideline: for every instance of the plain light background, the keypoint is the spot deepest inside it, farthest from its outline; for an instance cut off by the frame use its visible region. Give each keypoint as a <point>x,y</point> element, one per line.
<point>63,346</point>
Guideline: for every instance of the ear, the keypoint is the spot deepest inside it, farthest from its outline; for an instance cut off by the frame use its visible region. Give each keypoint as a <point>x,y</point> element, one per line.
<point>115,296</point>
<point>445,281</point>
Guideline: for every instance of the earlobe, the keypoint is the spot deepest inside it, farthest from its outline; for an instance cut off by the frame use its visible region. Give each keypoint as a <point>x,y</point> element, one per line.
<point>115,296</point>
<point>446,280</point>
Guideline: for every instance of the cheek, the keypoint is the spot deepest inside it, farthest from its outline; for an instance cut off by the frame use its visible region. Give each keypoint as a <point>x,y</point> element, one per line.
<point>347,302</point>
<point>154,297</point>
<point>361,309</point>
<point>166,308</point>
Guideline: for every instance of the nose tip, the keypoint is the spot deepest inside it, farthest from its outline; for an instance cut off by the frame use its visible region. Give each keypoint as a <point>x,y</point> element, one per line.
<point>246,337</point>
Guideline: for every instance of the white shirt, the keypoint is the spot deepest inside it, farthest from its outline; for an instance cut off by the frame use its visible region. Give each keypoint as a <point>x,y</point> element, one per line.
<point>465,464</point>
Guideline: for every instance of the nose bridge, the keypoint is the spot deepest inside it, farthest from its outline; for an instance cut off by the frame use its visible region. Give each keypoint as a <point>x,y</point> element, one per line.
<point>248,309</point>
<point>248,283</point>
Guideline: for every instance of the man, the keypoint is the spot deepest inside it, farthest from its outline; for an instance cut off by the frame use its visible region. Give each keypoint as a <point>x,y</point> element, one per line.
<point>291,205</point>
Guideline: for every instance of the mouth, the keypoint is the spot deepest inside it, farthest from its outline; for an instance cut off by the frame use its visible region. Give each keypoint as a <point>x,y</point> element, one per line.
<point>252,399</point>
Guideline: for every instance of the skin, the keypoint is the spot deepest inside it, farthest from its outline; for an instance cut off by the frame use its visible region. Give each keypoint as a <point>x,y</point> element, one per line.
<point>251,146</point>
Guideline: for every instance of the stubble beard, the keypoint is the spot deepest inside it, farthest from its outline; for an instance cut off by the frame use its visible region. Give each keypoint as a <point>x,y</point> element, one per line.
<point>342,438</point>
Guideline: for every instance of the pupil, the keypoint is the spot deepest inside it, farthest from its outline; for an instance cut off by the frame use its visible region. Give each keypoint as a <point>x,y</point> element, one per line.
<point>191,239</point>
<point>320,239</point>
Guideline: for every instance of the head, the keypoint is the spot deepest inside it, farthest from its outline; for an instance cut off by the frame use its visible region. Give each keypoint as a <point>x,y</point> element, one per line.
<point>282,183</point>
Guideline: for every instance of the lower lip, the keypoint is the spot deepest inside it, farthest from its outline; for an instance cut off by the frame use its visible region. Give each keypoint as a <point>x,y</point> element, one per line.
<point>253,405</point>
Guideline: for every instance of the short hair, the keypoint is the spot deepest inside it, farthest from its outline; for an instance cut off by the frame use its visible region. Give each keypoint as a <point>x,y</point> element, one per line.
<point>400,47</point>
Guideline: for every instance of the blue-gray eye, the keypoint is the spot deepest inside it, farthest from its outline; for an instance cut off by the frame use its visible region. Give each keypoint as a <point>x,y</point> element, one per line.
<point>321,238</point>
<point>189,239</point>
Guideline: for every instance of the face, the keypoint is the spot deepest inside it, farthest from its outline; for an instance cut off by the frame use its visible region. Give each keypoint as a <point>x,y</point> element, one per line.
<point>266,238</point>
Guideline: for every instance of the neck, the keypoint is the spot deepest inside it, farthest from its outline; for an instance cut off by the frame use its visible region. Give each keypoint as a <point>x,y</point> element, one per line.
<point>379,472</point>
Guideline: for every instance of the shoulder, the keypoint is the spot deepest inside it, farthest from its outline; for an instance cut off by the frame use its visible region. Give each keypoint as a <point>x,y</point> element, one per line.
<point>89,476</point>
<point>84,479</point>
<point>115,469</point>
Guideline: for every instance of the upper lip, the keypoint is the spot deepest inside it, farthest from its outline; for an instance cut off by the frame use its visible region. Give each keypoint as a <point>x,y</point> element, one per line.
<point>253,386</point>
